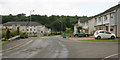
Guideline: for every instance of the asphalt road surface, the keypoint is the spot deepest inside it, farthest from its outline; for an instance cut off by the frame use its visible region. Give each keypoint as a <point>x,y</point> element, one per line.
<point>56,47</point>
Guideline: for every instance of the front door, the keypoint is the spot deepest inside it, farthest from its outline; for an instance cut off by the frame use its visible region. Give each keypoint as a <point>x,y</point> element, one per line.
<point>106,28</point>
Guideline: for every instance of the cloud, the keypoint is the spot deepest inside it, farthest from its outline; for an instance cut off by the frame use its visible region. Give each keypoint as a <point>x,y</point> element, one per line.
<point>56,7</point>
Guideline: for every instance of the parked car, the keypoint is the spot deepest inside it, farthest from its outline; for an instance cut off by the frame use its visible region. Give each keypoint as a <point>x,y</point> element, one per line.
<point>81,34</point>
<point>104,34</point>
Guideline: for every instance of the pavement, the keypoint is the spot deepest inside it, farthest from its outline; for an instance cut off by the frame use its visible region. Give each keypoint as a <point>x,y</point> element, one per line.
<point>56,47</point>
<point>82,38</point>
<point>14,44</point>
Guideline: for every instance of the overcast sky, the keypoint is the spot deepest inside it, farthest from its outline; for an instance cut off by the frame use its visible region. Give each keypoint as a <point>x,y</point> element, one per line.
<point>56,7</point>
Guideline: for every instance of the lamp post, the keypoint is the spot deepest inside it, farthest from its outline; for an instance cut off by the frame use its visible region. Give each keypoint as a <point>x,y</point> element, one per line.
<point>31,16</point>
<point>30,20</point>
<point>61,27</point>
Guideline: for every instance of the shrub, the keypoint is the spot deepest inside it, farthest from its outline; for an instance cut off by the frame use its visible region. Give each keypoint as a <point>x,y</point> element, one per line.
<point>55,33</point>
<point>3,34</point>
<point>13,33</point>
<point>90,34</point>
<point>24,35</point>
<point>18,31</point>
<point>68,32</point>
<point>69,35</point>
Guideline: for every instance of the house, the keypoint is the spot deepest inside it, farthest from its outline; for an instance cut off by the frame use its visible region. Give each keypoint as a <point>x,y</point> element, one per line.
<point>84,23</point>
<point>31,28</point>
<point>108,20</point>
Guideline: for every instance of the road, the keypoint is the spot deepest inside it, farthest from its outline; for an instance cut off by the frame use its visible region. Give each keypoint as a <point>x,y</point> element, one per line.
<point>56,47</point>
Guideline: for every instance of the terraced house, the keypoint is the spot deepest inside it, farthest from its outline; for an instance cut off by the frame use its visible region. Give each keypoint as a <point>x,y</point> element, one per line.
<point>108,20</point>
<point>31,28</point>
<point>84,23</point>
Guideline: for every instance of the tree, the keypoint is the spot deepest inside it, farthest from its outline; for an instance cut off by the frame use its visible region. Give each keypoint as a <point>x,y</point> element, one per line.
<point>79,28</point>
<point>7,34</point>
<point>52,21</point>
<point>18,31</point>
<point>68,30</point>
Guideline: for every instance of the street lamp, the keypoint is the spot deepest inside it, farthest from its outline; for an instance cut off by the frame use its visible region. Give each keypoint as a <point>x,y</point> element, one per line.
<point>61,26</point>
<point>30,20</point>
<point>31,16</point>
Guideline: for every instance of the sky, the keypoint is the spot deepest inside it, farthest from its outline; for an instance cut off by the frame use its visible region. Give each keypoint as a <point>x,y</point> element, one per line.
<point>56,7</point>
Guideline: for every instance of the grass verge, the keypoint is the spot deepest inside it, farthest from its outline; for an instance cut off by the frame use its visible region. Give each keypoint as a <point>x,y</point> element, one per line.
<point>83,37</point>
<point>102,40</point>
<point>3,42</point>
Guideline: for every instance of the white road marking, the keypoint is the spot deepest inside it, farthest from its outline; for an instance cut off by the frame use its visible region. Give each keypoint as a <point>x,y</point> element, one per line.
<point>17,46</point>
<point>110,56</point>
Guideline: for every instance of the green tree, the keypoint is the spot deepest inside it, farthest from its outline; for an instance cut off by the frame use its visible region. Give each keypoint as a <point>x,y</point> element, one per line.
<point>68,30</point>
<point>7,34</point>
<point>18,31</point>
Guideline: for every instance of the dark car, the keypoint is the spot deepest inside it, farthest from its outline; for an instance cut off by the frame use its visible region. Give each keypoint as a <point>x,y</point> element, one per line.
<point>81,34</point>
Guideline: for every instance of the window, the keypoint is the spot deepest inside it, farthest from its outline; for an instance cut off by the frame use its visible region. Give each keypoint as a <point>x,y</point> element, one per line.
<point>81,32</point>
<point>105,18</point>
<point>34,29</point>
<point>27,29</point>
<point>107,32</point>
<point>111,29</point>
<point>99,19</point>
<point>96,20</point>
<point>102,31</point>
<point>111,15</point>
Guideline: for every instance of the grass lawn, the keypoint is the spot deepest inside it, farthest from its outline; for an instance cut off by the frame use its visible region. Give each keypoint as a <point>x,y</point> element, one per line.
<point>83,37</point>
<point>102,40</point>
<point>3,42</point>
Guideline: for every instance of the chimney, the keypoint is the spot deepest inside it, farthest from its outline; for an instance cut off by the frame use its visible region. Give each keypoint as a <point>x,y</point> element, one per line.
<point>119,2</point>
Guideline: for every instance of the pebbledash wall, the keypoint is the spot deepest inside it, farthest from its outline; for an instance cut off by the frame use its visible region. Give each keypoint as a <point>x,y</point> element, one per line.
<point>109,20</point>
<point>118,21</point>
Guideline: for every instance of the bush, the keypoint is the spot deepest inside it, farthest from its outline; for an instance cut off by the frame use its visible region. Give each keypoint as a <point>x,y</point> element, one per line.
<point>69,35</point>
<point>68,30</point>
<point>90,34</point>
<point>55,33</point>
<point>24,35</point>
<point>18,31</point>
<point>13,33</point>
<point>3,34</point>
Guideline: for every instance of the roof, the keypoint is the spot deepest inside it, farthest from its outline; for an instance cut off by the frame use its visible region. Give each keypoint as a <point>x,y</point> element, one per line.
<point>108,10</point>
<point>82,20</point>
<point>21,23</point>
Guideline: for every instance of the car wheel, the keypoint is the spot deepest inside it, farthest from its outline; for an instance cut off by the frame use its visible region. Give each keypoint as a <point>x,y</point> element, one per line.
<point>112,37</point>
<point>98,37</point>
<point>86,35</point>
<point>76,36</point>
